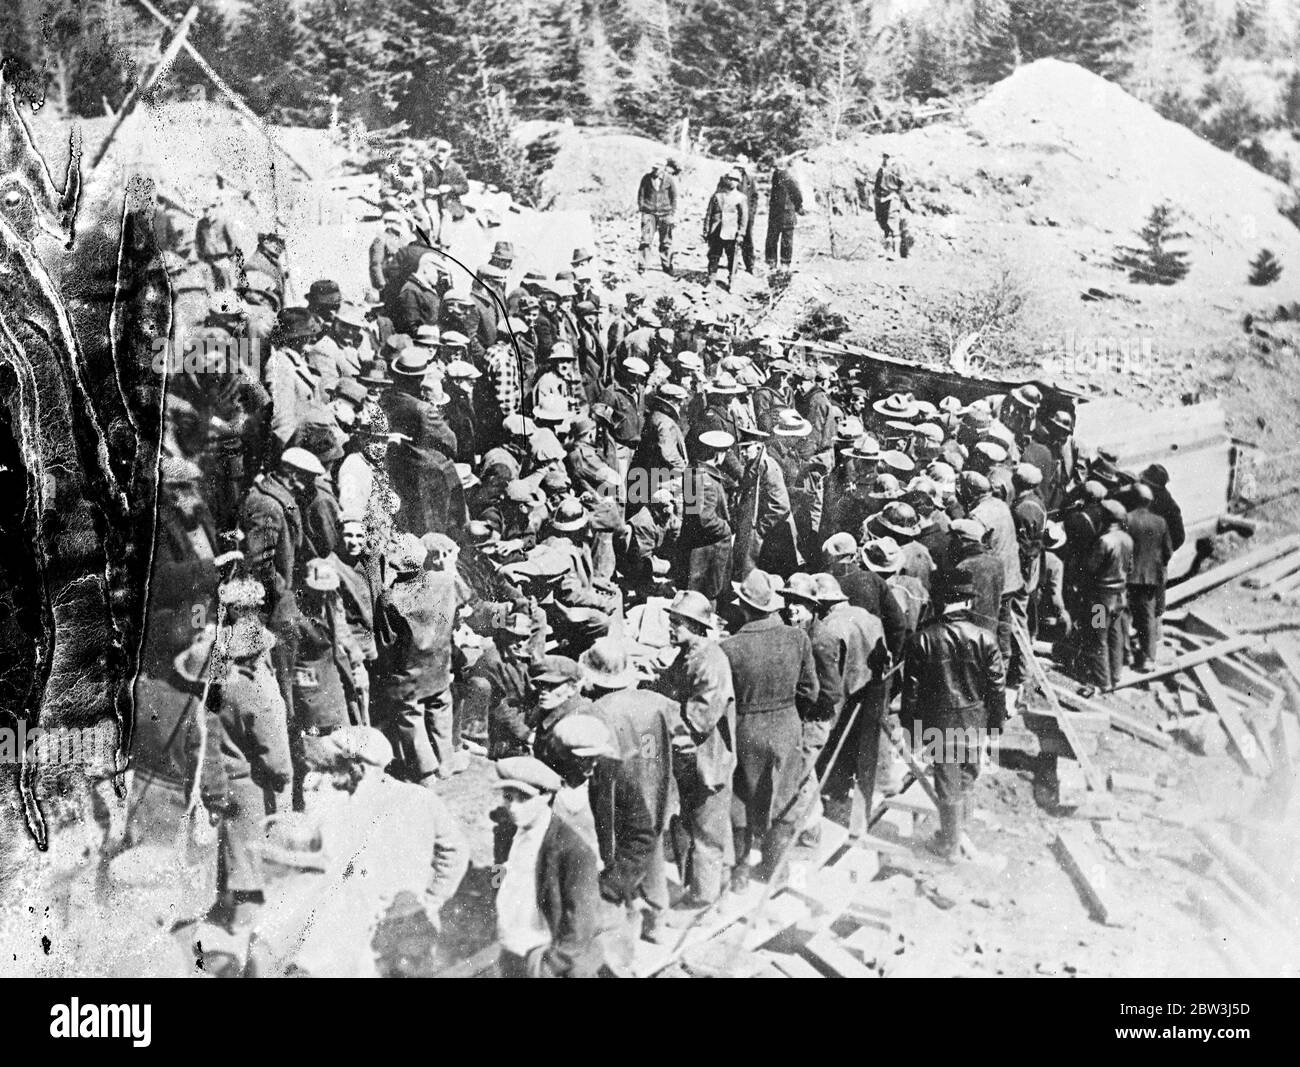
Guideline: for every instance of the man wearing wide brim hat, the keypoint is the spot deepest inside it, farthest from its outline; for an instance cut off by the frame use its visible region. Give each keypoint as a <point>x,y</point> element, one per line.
<point>900,406</point>
<point>775,682</point>
<point>642,723</point>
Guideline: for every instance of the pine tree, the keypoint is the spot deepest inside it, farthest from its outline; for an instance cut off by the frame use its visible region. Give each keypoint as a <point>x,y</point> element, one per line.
<point>1154,262</point>
<point>269,62</point>
<point>1265,268</point>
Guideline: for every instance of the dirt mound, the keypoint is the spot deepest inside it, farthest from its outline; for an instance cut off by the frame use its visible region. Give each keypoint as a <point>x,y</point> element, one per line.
<point>598,171</point>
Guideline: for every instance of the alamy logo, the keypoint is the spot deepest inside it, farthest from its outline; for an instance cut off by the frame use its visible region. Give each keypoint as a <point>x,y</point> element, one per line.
<point>102,1020</point>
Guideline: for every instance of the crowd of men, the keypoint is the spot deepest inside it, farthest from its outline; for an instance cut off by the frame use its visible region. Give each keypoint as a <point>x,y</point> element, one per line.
<point>453,512</point>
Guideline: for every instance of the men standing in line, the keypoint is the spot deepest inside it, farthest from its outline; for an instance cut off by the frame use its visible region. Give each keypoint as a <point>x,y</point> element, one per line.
<point>775,683</point>
<point>784,206</point>
<point>657,202</point>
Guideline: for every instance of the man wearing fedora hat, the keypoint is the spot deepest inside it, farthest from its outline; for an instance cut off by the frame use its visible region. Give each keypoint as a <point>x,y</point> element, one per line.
<point>1053,451</point>
<point>641,723</point>
<point>717,417</point>
<point>775,681</point>
<point>899,521</point>
<point>704,544</point>
<point>764,524</point>
<point>865,588</point>
<point>704,746</point>
<point>548,895</point>
<point>953,683</point>
<point>586,606</point>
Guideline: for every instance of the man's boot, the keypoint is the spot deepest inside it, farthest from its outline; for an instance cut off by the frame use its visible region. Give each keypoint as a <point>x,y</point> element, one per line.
<point>944,843</point>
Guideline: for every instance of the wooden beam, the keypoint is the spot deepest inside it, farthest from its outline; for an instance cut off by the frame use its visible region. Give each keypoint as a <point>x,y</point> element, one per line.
<point>1226,572</point>
<point>1242,739</point>
<point>235,99</point>
<point>147,85</point>
<point>1037,676</point>
<point>1285,650</point>
<point>1257,881</point>
<point>837,959</point>
<point>1273,572</point>
<point>1089,873</point>
<point>1211,626</point>
<point>1192,659</point>
<point>1118,720</point>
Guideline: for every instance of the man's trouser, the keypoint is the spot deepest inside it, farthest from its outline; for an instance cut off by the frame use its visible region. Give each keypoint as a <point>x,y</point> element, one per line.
<point>766,784</point>
<point>860,753</point>
<point>1015,606</point>
<point>808,809</point>
<point>412,724</point>
<point>239,856</point>
<point>706,818</point>
<point>956,767</point>
<point>1102,636</point>
<point>747,245</point>
<point>718,248</point>
<point>656,230</point>
<point>1147,603</point>
<point>780,243</point>
<point>884,212</point>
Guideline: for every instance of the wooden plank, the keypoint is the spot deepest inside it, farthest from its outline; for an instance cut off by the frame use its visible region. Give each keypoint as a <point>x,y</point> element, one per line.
<point>837,959</point>
<point>1252,676</point>
<point>1257,881</point>
<point>792,966</point>
<point>1090,874</point>
<point>1226,572</point>
<point>1242,739</point>
<point>1118,720</point>
<point>1275,571</point>
<point>1285,650</point>
<point>1191,659</point>
<point>1038,677</point>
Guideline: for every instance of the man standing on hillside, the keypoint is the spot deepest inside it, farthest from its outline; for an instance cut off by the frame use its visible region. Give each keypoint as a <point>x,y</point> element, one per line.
<point>890,198</point>
<point>656,199</point>
<point>444,184</point>
<point>784,206</point>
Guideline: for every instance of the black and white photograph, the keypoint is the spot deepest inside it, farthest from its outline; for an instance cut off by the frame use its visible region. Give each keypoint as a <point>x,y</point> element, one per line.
<point>651,489</point>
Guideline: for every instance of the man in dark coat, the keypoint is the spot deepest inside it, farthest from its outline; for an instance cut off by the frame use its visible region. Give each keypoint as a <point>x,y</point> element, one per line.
<point>704,546</point>
<point>749,190</point>
<point>775,682</point>
<point>1163,503</point>
<point>548,896</point>
<point>764,526</point>
<point>1152,548</point>
<point>418,301</point>
<point>660,456</point>
<point>953,683</point>
<point>704,750</point>
<point>1104,580</point>
<point>865,589</point>
<point>784,206</point>
<point>656,199</point>
<point>444,184</point>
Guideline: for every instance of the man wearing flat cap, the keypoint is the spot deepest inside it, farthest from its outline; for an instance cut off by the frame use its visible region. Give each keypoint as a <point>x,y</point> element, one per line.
<point>704,545</point>
<point>555,684</point>
<point>548,895</point>
<point>775,681</point>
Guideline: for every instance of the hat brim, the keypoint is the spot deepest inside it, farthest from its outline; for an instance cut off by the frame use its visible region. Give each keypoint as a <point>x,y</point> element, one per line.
<point>882,568</point>
<point>902,531</point>
<point>803,431</point>
<point>775,604</point>
<point>569,527</point>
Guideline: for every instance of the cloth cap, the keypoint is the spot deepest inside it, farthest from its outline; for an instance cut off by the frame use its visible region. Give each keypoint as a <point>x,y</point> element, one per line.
<point>554,670</point>
<point>584,736</point>
<point>528,775</point>
<point>302,460</point>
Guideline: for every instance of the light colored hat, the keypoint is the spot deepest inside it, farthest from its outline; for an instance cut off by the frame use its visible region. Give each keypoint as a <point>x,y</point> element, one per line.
<point>828,589</point>
<point>584,736</point>
<point>885,487</point>
<point>898,461</point>
<point>673,393</point>
<point>865,447</point>
<point>636,366</point>
<point>528,775</point>
<point>453,339</point>
<point>463,369</point>
<point>607,665</point>
<point>570,516</point>
<point>561,352</point>
<point>760,590</point>
<point>724,383</point>
<point>1027,475</point>
<point>690,360</point>
<point>362,744</point>
<point>718,440</point>
<point>468,479</point>
<point>789,423</point>
<point>882,555</point>
<point>694,605</point>
<point>800,586</point>
<point>840,546</point>
<point>899,518</point>
<point>427,335</point>
<point>968,529</point>
<point>545,446</point>
<point>351,315</point>
<point>302,460</point>
<point>849,429</point>
<point>896,406</point>
<point>413,362</point>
